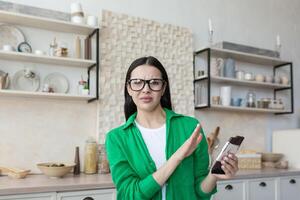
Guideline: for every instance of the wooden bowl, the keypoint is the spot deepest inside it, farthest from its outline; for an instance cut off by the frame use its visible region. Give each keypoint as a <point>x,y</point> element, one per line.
<point>55,170</point>
<point>271,157</point>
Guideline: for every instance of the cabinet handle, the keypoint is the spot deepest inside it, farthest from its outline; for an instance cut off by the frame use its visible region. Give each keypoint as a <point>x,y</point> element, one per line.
<point>228,187</point>
<point>88,198</point>
<point>292,181</point>
<point>262,184</point>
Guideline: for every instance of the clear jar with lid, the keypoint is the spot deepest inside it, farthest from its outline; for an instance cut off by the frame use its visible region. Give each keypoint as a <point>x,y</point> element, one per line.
<point>90,156</point>
<point>103,166</point>
<point>251,98</point>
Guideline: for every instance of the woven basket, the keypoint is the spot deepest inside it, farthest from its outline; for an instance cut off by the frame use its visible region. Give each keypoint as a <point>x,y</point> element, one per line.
<point>249,161</point>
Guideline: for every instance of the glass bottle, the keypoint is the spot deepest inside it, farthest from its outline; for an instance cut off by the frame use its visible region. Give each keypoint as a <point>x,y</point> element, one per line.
<point>77,162</point>
<point>103,166</point>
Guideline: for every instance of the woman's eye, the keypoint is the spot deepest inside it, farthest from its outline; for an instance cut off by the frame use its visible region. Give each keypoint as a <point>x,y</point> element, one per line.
<point>137,82</point>
<point>155,82</point>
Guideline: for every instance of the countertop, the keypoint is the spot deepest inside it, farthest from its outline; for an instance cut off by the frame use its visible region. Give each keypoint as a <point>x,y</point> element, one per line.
<point>41,183</point>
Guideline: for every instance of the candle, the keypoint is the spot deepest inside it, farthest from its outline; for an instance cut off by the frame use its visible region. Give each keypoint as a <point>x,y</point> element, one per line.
<point>278,40</point>
<point>209,25</point>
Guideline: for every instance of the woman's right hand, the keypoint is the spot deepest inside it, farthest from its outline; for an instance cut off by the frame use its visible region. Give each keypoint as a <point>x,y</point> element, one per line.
<point>189,146</point>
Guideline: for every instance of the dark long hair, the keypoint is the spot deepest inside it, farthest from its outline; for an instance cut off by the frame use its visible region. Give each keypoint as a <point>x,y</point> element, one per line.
<point>165,101</point>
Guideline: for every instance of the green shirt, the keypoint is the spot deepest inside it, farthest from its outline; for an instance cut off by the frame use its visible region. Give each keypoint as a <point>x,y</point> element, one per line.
<point>132,166</point>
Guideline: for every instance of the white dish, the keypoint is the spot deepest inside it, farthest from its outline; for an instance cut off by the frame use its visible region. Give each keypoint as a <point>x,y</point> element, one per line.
<point>58,82</point>
<point>20,82</point>
<point>2,73</point>
<point>10,35</point>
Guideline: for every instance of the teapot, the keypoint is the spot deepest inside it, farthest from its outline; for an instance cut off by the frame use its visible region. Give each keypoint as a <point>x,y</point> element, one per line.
<point>4,81</point>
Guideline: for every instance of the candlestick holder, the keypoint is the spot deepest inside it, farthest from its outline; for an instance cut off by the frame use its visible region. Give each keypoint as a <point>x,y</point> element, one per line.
<point>210,38</point>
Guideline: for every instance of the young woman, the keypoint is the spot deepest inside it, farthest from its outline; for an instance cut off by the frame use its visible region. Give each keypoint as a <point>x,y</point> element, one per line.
<point>157,153</point>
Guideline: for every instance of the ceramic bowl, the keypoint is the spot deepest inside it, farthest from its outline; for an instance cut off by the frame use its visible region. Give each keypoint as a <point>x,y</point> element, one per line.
<point>55,170</point>
<point>271,157</point>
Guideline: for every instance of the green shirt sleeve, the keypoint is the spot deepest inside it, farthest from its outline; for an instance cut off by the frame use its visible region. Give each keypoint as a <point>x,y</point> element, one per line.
<point>129,185</point>
<point>201,167</point>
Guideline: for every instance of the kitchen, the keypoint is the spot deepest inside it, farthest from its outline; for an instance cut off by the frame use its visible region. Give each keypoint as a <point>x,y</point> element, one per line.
<point>37,129</point>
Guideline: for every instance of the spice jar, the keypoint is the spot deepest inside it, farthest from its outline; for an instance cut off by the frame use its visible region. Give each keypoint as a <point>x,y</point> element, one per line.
<point>53,47</point>
<point>103,166</point>
<point>90,156</point>
<point>251,99</point>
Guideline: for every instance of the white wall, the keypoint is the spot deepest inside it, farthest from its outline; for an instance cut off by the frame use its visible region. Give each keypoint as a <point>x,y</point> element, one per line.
<point>251,22</point>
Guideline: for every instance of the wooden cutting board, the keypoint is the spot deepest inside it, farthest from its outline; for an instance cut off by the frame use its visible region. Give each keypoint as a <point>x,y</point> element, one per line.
<point>288,143</point>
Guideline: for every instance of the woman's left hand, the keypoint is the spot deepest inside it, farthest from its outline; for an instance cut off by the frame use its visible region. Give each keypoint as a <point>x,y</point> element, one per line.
<point>229,166</point>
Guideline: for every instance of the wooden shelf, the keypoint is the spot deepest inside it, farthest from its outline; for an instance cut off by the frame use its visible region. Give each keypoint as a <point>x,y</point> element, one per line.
<point>247,57</point>
<point>28,57</point>
<point>235,108</point>
<point>234,81</point>
<point>45,23</point>
<point>15,93</point>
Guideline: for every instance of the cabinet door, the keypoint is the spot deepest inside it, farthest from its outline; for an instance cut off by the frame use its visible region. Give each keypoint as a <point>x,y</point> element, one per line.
<point>105,194</point>
<point>39,196</point>
<point>290,188</point>
<point>262,189</point>
<point>228,190</point>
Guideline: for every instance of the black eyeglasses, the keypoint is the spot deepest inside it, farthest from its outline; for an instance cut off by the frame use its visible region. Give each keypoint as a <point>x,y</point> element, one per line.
<point>139,84</point>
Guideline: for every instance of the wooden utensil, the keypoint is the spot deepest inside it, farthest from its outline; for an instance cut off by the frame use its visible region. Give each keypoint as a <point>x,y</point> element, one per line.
<point>14,172</point>
<point>212,140</point>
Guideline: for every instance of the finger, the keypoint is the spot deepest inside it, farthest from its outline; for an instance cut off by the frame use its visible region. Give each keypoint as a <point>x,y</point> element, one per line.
<point>227,172</point>
<point>228,167</point>
<point>231,162</point>
<point>199,138</point>
<point>232,156</point>
<point>196,132</point>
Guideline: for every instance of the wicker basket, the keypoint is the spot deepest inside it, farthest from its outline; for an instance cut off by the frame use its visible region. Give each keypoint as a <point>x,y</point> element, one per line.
<point>249,161</point>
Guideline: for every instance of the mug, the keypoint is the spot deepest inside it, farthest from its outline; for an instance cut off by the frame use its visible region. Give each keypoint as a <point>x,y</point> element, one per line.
<point>92,20</point>
<point>236,101</point>
<point>248,76</point>
<point>284,80</point>
<point>229,68</point>
<point>259,78</point>
<point>7,47</point>
<point>239,75</point>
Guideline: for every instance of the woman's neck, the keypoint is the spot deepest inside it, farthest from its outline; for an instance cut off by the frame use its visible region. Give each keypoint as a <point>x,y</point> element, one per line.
<point>152,119</point>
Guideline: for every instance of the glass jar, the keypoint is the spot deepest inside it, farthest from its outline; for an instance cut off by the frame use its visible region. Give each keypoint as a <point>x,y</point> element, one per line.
<point>251,98</point>
<point>103,166</point>
<point>90,156</point>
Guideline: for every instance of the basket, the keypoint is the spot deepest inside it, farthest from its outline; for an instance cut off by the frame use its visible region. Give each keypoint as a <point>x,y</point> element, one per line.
<point>249,161</point>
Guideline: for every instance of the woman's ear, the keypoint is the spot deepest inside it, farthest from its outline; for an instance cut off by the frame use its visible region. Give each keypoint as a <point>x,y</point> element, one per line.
<point>129,90</point>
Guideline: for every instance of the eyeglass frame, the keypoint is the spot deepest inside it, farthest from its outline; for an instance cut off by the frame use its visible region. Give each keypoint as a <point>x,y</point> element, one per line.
<point>146,82</point>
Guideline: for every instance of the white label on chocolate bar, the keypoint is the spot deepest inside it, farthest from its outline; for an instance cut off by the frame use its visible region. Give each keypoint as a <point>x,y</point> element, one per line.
<point>227,148</point>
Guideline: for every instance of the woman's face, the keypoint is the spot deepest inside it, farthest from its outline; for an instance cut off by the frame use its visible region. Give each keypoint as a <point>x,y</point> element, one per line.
<point>146,87</point>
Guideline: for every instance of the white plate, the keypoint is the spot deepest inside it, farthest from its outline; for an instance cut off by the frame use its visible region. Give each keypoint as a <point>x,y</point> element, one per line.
<point>2,73</point>
<point>58,82</point>
<point>20,82</point>
<point>10,35</point>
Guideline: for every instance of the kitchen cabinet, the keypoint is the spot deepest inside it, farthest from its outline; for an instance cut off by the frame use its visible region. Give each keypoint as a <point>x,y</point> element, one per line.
<point>206,83</point>
<point>262,189</point>
<point>270,188</point>
<point>289,188</point>
<point>105,194</point>
<point>229,190</point>
<point>57,26</point>
<point>38,196</point>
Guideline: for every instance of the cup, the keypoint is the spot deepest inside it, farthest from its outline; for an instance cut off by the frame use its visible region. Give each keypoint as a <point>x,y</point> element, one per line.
<point>39,52</point>
<point>92,21</point>
<point>7,47</point>
<point>259,78</point>
<point>239,75</point>
<point>236,101</point>
<point>248,76</point>
<point>284,80</point>
<point>215,100</point>
<point>269,78</point>
<point>229,68</point>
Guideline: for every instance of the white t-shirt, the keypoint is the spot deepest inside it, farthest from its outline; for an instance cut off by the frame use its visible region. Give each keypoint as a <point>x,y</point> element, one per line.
<point>155,140</point>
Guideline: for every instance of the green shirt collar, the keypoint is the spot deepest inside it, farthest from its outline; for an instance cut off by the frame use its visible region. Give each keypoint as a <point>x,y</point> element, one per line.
<point>169,115</point>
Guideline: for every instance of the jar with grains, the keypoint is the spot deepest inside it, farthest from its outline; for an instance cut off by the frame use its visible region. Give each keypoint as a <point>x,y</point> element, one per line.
<point>90,156</point>
<point>103,166</point>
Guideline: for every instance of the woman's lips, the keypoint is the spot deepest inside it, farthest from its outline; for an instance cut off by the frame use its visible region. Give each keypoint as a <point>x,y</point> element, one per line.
<point>146,99</point>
